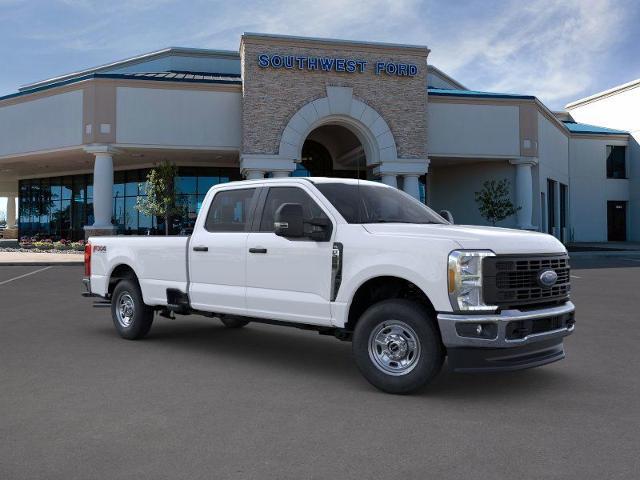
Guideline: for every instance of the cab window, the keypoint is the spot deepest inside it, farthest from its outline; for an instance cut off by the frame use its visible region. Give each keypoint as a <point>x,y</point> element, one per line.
<point>230,211</point>
<point>279,195</point>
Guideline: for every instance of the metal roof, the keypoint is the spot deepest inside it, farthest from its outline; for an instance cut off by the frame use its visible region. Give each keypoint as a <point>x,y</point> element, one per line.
<point>187,77</point>
<point>585,128</point>
<point>444,92</point>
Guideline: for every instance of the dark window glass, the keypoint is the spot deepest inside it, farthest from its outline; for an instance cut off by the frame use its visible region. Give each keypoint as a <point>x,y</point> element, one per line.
<point>229,211</point>
<point>366,203</point>
<point>279,195</point>
<point>118,184</point>
<point>130,216</point>
<point>119,214</point>
<point>563,205</point>
<point>616,167</point>
<point>551,205</point>
<point>184,184</point>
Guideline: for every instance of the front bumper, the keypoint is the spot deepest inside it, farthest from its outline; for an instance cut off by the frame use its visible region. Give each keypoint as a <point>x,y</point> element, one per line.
<point>509,340</point>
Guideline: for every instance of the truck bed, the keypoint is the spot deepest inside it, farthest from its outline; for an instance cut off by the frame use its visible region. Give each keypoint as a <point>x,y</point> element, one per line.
<point>158,262</point>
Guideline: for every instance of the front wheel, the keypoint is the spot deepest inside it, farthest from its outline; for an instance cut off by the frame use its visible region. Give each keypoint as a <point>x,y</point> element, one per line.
<point>397,346</point>
<point>131,317</point>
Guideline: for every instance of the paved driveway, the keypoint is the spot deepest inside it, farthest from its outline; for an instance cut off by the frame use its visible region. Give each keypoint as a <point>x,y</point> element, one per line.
<point>194,400</point>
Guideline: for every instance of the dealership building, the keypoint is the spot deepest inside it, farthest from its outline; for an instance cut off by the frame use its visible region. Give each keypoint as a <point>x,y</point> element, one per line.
<point>75,149</point>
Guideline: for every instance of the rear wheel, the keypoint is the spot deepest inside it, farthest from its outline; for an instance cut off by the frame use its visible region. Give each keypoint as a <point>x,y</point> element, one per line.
<point>131,317</point>
<point>397,346</point>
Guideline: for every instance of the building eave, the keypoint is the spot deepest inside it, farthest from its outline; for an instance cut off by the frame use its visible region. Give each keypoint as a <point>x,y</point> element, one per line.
<point>605,93</point>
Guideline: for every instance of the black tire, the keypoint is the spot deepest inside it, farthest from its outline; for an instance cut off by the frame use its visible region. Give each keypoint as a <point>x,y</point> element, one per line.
<point>127,298</point>
<point>395,323</point>
<point>231,321</point>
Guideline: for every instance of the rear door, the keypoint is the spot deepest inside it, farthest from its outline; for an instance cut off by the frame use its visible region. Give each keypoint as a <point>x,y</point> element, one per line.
<point>217,252</point>
<point>288,279</point>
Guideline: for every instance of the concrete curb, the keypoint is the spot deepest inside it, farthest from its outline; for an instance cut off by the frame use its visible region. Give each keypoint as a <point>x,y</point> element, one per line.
<point>41,264</point>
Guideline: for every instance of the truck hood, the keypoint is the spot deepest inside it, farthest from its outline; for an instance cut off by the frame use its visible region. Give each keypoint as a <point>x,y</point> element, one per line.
<point>472,237</point>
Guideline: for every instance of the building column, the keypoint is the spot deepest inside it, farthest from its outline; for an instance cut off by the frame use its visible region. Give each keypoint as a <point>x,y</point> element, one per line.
<point>11,212</point>
<point>390,179</point>
<point>411,185</point>
<point>253,174</point>
<point>102,191</point>
<point>524,191</point>
<point>254,165</point>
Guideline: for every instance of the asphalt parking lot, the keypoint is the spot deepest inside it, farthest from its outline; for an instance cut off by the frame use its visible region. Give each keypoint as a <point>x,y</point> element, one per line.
<point>195,400</point>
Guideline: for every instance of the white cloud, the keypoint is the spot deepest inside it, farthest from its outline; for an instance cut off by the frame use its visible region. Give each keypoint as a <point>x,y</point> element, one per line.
<point>545,48</point>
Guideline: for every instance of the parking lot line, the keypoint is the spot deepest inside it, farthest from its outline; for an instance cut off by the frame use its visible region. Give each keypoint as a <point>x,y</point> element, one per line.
<point>25,275</point>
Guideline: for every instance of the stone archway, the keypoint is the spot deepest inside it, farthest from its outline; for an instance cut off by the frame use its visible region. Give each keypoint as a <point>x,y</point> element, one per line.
<point>339,107</point>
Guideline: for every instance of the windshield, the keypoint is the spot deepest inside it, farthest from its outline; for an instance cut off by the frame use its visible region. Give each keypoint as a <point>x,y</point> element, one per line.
<point>367,203</point>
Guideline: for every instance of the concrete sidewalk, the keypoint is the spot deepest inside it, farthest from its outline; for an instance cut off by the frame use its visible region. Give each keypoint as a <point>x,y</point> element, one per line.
<point>37,259</point>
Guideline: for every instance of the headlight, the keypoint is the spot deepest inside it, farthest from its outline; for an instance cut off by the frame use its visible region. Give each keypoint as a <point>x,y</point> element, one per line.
<point>465,280</point>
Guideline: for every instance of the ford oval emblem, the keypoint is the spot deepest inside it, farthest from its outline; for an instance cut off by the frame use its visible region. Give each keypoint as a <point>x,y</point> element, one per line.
<point>547,278</point>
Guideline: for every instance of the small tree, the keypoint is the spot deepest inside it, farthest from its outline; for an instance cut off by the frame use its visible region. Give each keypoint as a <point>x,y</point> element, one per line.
<point>494,201</point>
<point>161,199</point>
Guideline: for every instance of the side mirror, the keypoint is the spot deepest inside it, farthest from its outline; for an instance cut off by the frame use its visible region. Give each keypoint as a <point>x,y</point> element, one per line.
<point>446,214</point>
<point>289,221</point>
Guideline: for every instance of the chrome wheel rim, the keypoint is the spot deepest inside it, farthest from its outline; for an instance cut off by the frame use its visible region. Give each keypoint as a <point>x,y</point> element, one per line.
<point>394,347</point>
<point>125,310</point>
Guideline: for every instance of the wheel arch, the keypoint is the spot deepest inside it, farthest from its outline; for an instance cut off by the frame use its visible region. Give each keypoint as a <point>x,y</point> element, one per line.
<point>121,271</point>
<point>383,287</point>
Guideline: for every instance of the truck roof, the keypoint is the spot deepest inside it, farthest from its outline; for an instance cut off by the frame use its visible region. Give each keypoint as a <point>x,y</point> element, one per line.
<point>346,181</point>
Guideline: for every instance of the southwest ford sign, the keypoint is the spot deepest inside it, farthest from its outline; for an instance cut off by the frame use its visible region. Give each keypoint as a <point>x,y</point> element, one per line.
<point>334,64</point>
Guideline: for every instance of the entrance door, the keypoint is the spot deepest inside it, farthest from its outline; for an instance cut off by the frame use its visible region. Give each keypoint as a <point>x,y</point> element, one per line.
<point>289,278</point>
<point>617,221</point>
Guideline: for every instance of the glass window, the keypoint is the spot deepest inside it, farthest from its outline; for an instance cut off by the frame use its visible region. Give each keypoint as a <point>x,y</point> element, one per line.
<point>279,195</point>
<point>131,184</point>
<point>229,211</point>
<point>67,189</point>
<point>186,184</point>
<point>130,215</point>
<point>366,203</point>
<point>616,165</point>
<point>118,184</point>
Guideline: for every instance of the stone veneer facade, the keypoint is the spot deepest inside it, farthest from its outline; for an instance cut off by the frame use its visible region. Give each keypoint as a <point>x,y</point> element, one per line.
<point>272,96</point>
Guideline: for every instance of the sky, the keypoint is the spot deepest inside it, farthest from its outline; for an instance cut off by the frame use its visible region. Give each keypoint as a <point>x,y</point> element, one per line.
<point>557,50</point>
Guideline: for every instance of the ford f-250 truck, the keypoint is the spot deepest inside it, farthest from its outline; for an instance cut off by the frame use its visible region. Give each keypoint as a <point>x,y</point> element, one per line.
<point>359,260</point>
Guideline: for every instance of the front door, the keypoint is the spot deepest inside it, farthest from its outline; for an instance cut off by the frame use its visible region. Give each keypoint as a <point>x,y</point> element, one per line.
<point>218,253</point>
<point>617,221</point>
<point>289,279</point>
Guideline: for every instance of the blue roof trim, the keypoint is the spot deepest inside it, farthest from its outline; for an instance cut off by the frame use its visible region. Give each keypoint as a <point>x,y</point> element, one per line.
<point>585,128</point>
<point>444,92</point>
<point>225,80</point>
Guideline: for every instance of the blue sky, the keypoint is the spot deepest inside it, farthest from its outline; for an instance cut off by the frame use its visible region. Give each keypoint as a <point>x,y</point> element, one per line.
<point>557,50</point>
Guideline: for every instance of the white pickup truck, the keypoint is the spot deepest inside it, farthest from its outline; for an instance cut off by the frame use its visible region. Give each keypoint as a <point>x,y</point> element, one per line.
<point>359,260</point>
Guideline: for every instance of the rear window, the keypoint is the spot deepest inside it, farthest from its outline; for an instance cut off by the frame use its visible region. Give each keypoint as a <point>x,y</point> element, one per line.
<point>229,211</point>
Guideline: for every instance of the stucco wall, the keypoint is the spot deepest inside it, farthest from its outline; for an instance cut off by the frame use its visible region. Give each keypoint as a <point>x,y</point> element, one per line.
<point>453,188</point>
<point>43,124</point>
<point>589,189</point>
<point>620,111</point>
<point>190,118</point>
<point>272,96</point>
<point>473,129</point>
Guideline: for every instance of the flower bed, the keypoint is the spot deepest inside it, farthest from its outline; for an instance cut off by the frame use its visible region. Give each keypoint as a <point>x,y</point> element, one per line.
<point>35,244</point>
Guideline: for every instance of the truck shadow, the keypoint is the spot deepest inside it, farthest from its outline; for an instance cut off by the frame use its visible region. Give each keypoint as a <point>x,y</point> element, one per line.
<point>306,353</point>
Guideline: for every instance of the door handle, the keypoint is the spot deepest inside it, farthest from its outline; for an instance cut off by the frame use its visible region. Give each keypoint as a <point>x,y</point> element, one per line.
<point>200,248</point>
<point>257,250</point>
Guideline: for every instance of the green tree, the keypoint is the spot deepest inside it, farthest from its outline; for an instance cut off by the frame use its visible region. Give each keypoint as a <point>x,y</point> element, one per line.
<point>161,198</point>
<point>494,201</point>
